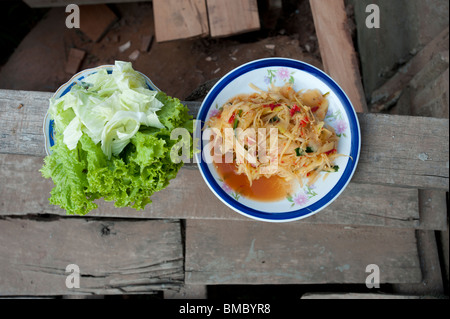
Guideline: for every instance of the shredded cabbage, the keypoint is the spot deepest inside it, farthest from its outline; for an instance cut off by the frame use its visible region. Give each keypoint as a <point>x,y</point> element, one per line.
<point>110,110</point>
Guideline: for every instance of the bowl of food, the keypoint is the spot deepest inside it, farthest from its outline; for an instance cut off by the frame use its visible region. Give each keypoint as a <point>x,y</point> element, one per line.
<point>108,136</point>
<point>279,140</point>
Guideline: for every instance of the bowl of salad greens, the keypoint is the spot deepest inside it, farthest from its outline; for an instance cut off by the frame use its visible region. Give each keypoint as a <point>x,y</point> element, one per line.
<point>108,136</point>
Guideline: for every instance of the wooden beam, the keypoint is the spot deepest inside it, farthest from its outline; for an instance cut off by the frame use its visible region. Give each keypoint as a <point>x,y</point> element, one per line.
<point>113,256</point>
<point>265,253</point>
<point>27,192</point>
<point>63,3</point>
<point>336,48</point>
<point>176,19</point>
<point>401,151</point>
<point>232,17</point>
<point>389,93</point>
<point>352,295</point>
<point>95,20</point>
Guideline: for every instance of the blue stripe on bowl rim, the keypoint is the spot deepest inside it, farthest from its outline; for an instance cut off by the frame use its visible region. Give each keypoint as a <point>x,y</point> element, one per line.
<point>354,149</point>
<point>66,87</point>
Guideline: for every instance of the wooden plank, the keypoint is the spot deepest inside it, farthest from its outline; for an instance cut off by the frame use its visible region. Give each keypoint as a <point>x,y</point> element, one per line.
<point>21,119</point>
<point>266,253</point>
<point>180,19</point>
<point>95,20</point>
<point>27,192</point>
<point>433,209</point>
<point>352,295</point>
<point>336,49</point>
<point>404,151</point>
<point>63,3</point>
<point>389,93</point>
<point>113,256</point>
<point>74,60</point>
<point>232,17</point>
<point>401,151</point>
<point>188,292</point>
<point>432,283</point>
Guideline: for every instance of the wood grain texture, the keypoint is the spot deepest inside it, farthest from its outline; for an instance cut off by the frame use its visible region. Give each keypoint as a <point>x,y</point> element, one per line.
<point>26,192</point>
<point>176,19</point>
<point>268,253</point>
<point>21,121</point>
<point>337,50</point>
<point>95,20</point>
<point>114,256</point>
<point>401,151</point>
<point>352,295</point>
<point>404,151</point>
<point>389,93</point>
<point>63,3</point>
<point>232,17</point>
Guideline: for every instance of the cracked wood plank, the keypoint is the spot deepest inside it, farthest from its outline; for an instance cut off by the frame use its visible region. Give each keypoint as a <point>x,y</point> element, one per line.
<point>180,19</point>
<point>402,151</point>
<point>267,253</point>
<point>406,151</point>
<point>27,193</point>
<point>232,17</point>
<point>114,256</point>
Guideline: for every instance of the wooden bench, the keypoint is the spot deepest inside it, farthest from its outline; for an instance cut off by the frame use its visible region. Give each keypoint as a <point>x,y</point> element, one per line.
<point>125,251</point>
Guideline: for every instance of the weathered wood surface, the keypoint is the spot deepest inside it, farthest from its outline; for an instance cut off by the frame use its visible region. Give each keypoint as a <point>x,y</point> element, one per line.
<point>433,209</point>
<point>432,282</point>
<point>258,253</point>
<point>95,20</point>
<point>389,93</point>
<point>114,256</point>
<point>352,295</point>
<point>404,151</point>
<point>176,19</point>
<point>63,3</point>
<point>400,151</point>
<point>26,192</point>
<point>232,17</point>
<point>336,49</point>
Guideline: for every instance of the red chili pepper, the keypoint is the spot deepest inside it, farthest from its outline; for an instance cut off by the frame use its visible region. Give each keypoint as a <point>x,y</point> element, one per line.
<point>314,109</point>
<point>331,152</point>
<point>231,120</point>
<point>304,122</point>
<point>294,109</point>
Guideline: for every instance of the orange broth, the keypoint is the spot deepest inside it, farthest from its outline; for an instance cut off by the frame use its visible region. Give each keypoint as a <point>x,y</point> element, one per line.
<point>263,189</point>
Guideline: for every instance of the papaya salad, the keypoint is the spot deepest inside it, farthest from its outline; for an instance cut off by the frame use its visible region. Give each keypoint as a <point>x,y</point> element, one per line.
<point>306,146</point>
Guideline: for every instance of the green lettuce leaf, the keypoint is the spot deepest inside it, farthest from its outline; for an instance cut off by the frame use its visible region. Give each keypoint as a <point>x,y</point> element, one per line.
<point>128,159</point>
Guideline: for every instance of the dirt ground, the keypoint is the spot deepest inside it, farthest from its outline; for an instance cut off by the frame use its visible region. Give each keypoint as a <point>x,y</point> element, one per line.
<point>176,67</point>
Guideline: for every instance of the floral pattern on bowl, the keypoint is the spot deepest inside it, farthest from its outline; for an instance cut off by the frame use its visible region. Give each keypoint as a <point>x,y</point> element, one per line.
<point>307,200</point>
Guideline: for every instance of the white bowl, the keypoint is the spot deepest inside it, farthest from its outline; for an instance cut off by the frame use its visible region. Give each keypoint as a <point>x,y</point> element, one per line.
<point>305,201</point>
<point>65,88</point>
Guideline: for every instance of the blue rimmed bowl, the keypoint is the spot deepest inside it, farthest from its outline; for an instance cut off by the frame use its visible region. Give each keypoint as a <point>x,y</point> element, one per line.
<point>65,88</point>
<point>306,200</point>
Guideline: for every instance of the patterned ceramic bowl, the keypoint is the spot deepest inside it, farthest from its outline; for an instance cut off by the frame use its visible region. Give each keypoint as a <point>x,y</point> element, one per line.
<point>65,88</point>
<point>303,201</point>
